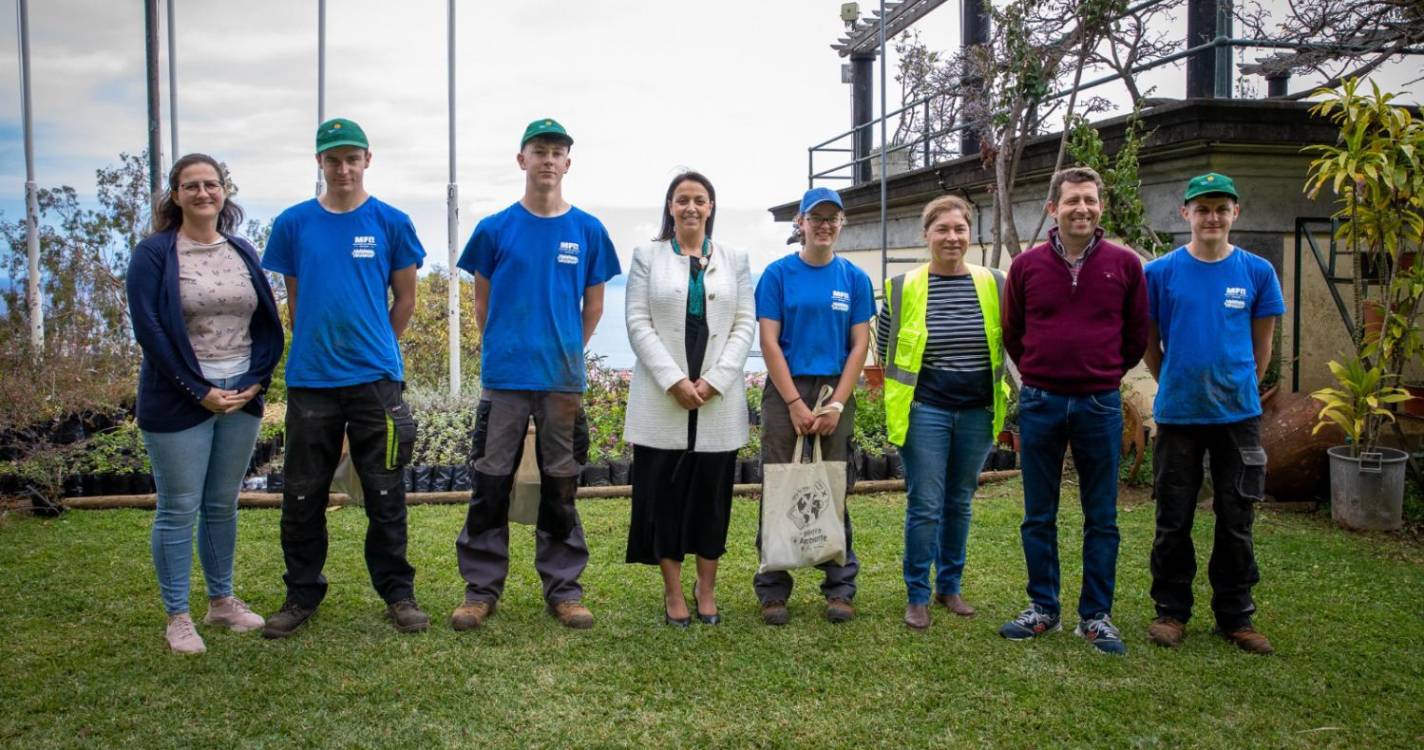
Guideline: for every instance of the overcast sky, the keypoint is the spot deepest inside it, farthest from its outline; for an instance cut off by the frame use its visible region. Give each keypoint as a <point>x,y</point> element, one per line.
<point>738,90</point>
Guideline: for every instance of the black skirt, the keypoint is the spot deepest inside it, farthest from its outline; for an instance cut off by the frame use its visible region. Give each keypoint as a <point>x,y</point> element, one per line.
<point>682,500</point>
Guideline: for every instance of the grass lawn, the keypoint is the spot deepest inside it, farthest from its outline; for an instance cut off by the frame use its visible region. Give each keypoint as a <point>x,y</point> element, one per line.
<point>83,663</point>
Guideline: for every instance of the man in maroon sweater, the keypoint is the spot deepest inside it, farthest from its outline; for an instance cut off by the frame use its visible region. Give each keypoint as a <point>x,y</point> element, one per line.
<point>1075,321</point>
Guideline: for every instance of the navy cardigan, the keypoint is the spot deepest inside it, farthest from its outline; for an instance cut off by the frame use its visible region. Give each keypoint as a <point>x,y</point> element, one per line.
<point>170,383</point>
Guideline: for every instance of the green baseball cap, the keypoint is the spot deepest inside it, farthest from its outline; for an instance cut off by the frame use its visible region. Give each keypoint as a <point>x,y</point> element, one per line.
<point>548,128</point>
<point>1211,183</point>
<point>340,132</point>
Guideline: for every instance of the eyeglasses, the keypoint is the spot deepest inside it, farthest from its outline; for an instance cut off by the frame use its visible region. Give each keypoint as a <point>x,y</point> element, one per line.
<point>824,221</point>
<point>197,186</point>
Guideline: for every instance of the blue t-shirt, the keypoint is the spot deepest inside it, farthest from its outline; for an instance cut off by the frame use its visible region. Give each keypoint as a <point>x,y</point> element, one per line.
<point>538,268</point>
<point>817,307</point>
<point>343,264</point>
<point>1204,313</point>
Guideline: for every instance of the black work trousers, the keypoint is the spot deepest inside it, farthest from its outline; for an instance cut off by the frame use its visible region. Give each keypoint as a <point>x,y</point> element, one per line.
<point>375,419</point>
<point>1238,475</point>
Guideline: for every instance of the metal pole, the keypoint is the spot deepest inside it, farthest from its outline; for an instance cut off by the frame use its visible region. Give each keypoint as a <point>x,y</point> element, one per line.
<point>1201,66</point>
<point>452,217</point>
<point>155,107</point>
<point>32,205</point>
<point>320,77</point>
<point>1224,64</point>
<point>862,108</point>
<point>173,79</point>
<point>973,32</point>
<point>884,173</point>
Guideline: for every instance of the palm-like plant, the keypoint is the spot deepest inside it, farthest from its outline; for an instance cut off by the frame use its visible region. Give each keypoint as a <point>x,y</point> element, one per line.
<point>1375,171</point>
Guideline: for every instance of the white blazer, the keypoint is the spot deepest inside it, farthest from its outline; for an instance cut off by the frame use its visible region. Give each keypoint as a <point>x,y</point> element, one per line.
<point>656,314</point>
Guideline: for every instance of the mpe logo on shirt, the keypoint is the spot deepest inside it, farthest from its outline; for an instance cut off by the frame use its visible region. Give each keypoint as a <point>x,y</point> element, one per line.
<point>569,253</point>
<point>840,301</point>
<point>1235,297</point>
<point>363,246</point>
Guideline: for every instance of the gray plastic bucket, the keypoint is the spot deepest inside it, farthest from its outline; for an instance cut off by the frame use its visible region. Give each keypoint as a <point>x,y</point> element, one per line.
<point>1367,492</point>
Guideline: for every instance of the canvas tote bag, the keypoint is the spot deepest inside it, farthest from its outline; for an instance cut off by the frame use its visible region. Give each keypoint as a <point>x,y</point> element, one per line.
<point>803,510</point>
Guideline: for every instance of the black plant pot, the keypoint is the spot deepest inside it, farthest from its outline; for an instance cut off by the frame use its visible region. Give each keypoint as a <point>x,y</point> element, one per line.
<point>618,473</point>
<point>876,467</point>
<point>276,482</point>
<point>9,485</point>
<point>441,478</point>
<point>89,485</point>
<point>421,482</point>
<point>73,485</point>
<point>69,430</point>
<point>894,466</point>
<point>460,479</point>
<point>408,478</point>
<point>595,475</point>
<point>853,466</point>
<point>149,486</point>
<point>751,470</point>
<point>112,484</point>
<point>754,417</point>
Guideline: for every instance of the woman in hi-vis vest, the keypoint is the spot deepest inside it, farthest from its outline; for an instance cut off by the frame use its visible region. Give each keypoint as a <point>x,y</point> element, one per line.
<point>945,398</point>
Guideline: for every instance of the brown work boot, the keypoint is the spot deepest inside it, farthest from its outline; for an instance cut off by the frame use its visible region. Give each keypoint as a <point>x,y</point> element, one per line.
<point>954,603</point>
<point>839,610</point>
<point>1249,640</point>
<point>471,614</point>
<point>917,616</point>
<point>406,616</point>
<point>1167,631</point>
<point>572,614</point>
<point>774,612</point>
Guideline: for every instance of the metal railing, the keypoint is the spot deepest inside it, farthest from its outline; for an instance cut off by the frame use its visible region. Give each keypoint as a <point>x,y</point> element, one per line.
<point>926,143</point>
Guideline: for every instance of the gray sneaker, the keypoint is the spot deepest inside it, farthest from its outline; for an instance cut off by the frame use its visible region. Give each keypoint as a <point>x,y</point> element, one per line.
<point>1031,623</point>
<point>1104,636</point>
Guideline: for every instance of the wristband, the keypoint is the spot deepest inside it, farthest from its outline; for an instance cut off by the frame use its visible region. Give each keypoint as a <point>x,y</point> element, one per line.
<point>792,401</point>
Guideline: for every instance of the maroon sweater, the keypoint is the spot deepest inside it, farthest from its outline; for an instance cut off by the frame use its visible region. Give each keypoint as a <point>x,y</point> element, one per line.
<point>1075,338</point>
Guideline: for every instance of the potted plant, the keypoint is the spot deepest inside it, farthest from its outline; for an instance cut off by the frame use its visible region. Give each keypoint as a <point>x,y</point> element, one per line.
<point>1376,170</point>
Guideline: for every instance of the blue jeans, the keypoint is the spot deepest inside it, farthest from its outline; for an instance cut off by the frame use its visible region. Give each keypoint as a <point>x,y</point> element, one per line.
<point>198,472</point>
<point>943,453</point>
<point>1092,425</point>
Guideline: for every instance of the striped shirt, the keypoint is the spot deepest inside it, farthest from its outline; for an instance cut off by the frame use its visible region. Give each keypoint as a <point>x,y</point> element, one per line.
<point>955,370</point>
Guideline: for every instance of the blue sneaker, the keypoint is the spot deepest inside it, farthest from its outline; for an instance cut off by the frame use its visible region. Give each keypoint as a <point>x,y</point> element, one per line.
<point>1031,623</point>
<point>1100,632</point>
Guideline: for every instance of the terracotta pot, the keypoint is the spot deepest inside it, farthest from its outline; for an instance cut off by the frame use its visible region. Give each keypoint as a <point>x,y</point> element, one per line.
<point>1414,407</point>
<point>1374,319</point>
<point>874,376</point>
<point>1296,468</point>
<point>1009,438</point>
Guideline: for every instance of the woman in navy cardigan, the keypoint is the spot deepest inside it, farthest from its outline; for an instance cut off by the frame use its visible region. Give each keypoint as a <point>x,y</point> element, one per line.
<point>207,322</point>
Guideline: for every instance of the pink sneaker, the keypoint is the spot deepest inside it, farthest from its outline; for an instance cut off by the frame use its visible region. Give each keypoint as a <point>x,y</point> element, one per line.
<point>182,638</point>
<point>233,613</point>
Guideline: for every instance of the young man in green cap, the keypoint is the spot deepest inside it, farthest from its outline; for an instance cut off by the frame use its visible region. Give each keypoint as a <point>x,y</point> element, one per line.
<point>340,253</point>
<point>1213,308</point>
<point>539,269</point>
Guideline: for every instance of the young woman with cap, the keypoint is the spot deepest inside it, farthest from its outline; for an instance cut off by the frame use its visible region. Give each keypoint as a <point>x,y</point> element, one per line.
<point>814,310</point>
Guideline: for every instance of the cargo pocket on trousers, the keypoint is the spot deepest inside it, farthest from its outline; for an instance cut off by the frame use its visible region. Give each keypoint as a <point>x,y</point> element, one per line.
<point>581,438</point>
<point>1252,483</point>
<point>400,435</point>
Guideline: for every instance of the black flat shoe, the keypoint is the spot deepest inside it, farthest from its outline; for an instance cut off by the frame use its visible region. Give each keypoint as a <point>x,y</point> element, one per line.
<point>711,619</point>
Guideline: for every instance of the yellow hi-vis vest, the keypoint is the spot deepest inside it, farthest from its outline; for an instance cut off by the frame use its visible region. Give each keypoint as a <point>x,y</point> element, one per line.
<point>908,299</point>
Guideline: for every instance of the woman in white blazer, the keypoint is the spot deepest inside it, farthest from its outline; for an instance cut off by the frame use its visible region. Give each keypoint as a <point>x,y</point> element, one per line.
<point>691,317</point>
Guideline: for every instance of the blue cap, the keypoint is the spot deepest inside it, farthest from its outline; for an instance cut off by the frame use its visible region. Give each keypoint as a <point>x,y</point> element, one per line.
<point>816,196</point>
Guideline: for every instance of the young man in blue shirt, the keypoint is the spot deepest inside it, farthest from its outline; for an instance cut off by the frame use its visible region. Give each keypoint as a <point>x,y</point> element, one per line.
<point>339,254</point>
<point>1213,309</point>
<point>539,269</point>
